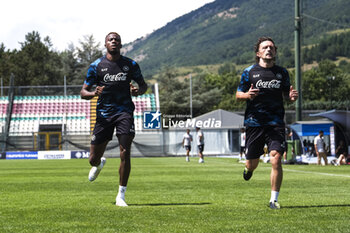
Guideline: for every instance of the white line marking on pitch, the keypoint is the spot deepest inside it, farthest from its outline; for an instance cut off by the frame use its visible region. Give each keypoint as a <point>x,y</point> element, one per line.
<point>319,173</point>
<point>290,170</point>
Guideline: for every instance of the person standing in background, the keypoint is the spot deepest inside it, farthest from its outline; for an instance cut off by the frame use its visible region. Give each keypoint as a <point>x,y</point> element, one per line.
<point>200,144</point>
<point>243,136</point>
<point>186,143</point>
<point>320,148</point>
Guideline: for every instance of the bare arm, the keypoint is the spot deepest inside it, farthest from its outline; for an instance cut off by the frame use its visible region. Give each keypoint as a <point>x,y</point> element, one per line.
<point>87,93</point>
<point>250,94</point>
<point>316,150</point>
<point>141,89</point>
<point>293,94</point>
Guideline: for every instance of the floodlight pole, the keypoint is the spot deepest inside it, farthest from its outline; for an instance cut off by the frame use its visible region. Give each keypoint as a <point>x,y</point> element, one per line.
<point>64,126</point>
<point>65,86</point>
<point>8,114</point>
<point>191,96</point>
<point>156,93</point>
<point>297,22</point>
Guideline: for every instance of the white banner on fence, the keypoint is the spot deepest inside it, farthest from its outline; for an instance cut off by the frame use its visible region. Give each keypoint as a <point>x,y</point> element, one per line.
<point>54,154</point>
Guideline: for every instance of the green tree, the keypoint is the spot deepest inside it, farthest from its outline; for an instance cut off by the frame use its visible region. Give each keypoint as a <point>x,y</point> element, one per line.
<point>205,97</point>
<point>5,70</point>
<point>173,94</point>
<point>36,63</point>
<point>325,85</point>
<point>71,66</point>
<point>87,52</point>
<point>226,68</point>
<point>226,82</point>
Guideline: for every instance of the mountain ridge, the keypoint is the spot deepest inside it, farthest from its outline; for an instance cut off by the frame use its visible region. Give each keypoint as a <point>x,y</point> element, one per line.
<point>226,30</point>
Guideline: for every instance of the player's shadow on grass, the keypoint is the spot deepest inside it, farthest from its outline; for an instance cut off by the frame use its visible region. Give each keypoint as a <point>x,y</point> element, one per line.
<point>170,204</point>
<point>315,206</point>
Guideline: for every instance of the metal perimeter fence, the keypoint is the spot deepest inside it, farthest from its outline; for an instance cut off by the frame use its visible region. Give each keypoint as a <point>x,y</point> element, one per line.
<point>145,144</point>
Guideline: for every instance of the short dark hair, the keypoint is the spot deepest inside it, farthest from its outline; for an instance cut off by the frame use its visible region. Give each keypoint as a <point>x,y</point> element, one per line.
<point>110,34</point>
<point>257,45</point>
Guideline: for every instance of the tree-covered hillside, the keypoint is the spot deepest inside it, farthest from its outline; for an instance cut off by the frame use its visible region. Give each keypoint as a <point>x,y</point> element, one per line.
<point>213,44</point>
<point>226,30</point>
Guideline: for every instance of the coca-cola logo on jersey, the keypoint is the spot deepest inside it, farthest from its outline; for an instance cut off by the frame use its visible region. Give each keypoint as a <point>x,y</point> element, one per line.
<point>268,84</point>
<point>115,77</point>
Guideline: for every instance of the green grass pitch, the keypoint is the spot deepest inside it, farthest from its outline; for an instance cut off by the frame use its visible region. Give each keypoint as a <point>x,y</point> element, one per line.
<point>170,195</point>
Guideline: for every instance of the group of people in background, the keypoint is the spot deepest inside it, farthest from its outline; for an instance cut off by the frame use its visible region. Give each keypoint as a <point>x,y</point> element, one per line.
<point>321,151</point>
<point>341,154</point>
<point>187,141</point>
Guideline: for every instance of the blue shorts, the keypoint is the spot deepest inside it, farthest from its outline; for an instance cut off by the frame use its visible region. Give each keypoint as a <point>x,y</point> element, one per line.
<point>257,137</point>
<point>123,123</point>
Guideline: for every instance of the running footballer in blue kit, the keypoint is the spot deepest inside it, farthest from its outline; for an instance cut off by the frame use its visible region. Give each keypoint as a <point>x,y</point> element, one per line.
<point>112,74</point>
<point>264,86</point>
<point>271,83</point>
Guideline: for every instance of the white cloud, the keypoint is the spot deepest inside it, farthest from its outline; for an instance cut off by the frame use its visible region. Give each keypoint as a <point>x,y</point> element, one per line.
<point>67,21</point>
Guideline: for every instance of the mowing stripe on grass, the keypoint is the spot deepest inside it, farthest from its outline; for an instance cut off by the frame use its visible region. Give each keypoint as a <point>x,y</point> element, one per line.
<point>284,169</point>
<point>318,173</point>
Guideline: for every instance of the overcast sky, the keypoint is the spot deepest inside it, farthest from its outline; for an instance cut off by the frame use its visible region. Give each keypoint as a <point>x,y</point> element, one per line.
<point>67,21</point>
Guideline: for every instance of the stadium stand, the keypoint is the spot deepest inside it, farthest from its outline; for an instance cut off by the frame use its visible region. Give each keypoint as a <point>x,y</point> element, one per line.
<point>59,122</point>
<point>30,112</point>
<point>77,115</point>
<point>3,109</point>
<point>143,103</point>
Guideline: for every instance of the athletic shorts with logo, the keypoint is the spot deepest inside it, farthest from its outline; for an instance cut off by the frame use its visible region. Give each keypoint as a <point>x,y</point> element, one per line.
<point>123,123</point>
<point>257,137</point>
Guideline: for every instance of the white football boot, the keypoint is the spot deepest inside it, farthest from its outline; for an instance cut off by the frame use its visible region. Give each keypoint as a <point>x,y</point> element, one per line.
<point>120,202</point>
<point>94,171</point>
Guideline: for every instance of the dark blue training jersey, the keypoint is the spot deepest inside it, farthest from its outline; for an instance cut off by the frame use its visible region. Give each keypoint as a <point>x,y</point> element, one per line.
<point>116,77</point>
<point>266,108</point>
